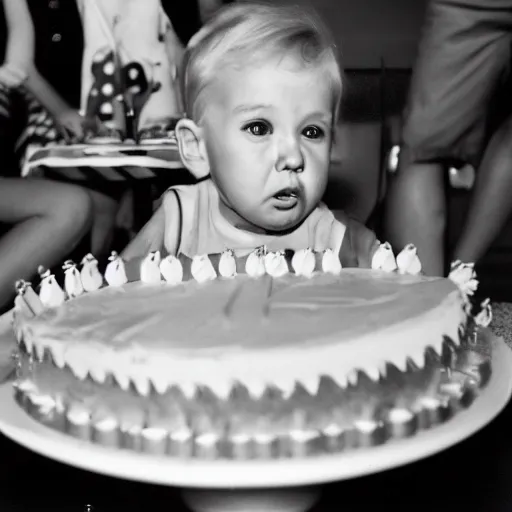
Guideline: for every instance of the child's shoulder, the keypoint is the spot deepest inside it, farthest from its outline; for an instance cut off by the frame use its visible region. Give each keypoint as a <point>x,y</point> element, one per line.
<point>189,200</point>
<point>188,191</point>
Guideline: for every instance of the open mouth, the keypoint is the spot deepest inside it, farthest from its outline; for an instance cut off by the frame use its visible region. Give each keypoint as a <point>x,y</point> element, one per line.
<point>287,197</point>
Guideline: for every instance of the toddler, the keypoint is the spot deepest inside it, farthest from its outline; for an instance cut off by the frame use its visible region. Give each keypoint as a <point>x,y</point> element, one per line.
<point>261,87</point>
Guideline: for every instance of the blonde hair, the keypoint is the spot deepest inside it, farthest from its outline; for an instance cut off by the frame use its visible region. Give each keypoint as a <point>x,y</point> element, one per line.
<point>242,35</point>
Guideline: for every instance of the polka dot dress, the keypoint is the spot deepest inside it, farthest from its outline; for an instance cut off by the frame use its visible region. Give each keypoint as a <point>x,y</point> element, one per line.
<point>127,76</point>
<point>106,87</point>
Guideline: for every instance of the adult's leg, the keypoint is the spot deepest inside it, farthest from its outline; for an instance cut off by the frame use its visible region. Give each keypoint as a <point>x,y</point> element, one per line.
<point>416,212</point>
<point>105,208</point>
<point>464,49</point>
<point>491,203</point>
<point>48,220</point>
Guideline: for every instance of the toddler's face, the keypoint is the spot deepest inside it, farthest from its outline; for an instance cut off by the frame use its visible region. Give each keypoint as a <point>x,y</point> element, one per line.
<point>268,136</point>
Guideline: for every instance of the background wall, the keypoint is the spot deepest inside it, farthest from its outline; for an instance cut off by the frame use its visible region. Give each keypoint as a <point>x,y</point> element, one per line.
<point>367,30</point>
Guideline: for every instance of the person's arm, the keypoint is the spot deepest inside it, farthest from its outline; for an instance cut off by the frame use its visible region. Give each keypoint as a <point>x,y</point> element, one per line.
<point>20,40</point>
<point>19,53</point>
<point>45,93</point>
<point>68,120</point>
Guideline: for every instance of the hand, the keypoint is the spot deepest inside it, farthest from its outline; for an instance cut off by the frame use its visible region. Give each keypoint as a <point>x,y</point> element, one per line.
<point>71,125</point>
<point>12,76</point>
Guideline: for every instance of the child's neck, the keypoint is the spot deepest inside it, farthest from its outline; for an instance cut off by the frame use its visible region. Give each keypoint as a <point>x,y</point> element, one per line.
<point>233,218</point>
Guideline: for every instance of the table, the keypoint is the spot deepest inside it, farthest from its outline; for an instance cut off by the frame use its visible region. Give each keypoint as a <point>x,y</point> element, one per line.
<point>112,162</point>
<point>474,476</point>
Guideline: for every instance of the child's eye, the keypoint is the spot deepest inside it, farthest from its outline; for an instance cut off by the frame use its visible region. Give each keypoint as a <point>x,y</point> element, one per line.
<point>258,128</point>
<point>313,132</point>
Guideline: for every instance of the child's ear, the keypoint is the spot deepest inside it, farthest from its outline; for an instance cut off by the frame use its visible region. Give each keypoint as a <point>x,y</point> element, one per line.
<point>192,148</point>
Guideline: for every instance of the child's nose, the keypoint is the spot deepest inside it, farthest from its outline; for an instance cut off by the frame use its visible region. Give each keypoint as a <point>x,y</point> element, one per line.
<point>290,157</point>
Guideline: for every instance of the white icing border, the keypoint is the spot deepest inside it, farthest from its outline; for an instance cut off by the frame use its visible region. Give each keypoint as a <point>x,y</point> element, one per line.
<point>255,369</point>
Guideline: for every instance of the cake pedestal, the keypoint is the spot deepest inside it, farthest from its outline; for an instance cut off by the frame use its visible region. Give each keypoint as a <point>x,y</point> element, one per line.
<point>286,485</point>
<point>283,500</point>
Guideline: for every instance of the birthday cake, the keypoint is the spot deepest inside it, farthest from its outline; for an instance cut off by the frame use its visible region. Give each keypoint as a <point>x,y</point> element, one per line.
<point>266,356</point>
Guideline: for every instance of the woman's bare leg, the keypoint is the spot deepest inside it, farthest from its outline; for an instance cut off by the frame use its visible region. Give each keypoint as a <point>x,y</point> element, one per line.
<point>48,220</point>
<point>105,210</point>
<point>491,203</point>
<point>416,212</point>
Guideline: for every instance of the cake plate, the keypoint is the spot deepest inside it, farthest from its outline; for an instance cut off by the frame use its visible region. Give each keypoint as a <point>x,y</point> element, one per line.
<point>288,485</point>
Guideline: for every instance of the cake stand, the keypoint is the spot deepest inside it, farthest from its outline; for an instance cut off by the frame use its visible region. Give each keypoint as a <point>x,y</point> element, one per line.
<point>288,485</point>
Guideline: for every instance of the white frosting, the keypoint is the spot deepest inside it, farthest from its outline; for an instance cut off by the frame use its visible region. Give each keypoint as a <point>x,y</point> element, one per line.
<point>400,415</point>
<point>27,302</point>
<point>78,414</point>
<point>202,269</point>
<point>419,359</point>
<point>22,306</point>
<point>26,386</point>
<point>332,430</point>
<point>142,386</point>
<point>72,280</point>
<point>172,270</point>
<point>51,294</point>
<point>58,358</point>
<point>384,259</point>
<point>311,386</point>
<point>275,264</point>
<point>39,352</point>
<point>150,268</point>
<point>366,426</point>
<point>115,273</point>
<point>207,440</point>
<point>302,338</point>
<point>133,430</point>
<point>484,317</point>
<point>90,275</point>
<point>154,433</point>
<point>255,264</point>
<point>430,402</point>
<point>42,401</point>
<point>98,374</point>
<point>131,425</point>
<point>264,438</point>
<point>408,262</point>
<point>181,435</point>
<point>227,264</point>
<point>121,377</point>
<point>107,424</point>
<point>453,388</point>
<point>304,262</point>
<point>352,378</point>
<point>331,263</point>
<point>302,436</point>
<point>464,276</point>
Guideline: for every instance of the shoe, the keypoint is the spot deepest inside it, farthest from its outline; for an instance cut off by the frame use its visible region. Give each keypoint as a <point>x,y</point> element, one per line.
<point>104,136</point>
<point>163,133</point>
